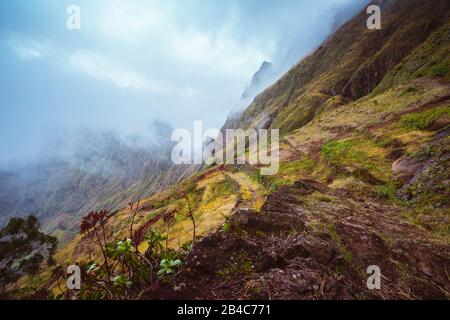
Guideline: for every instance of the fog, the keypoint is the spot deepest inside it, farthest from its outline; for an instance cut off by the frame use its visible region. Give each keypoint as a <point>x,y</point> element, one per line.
<point>134,62</point>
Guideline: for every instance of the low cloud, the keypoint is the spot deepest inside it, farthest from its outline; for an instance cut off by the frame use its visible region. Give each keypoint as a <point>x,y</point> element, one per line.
<point>94,65</point>
<point>26,49</point>
<point>164,29</point>
<point>136,60</point>
<point>100,67</point>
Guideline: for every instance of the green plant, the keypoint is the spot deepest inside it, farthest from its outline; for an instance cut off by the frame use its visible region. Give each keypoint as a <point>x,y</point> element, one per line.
<point>128,273</point>
<point>122,248</point>
<point>190,215</point>
<point>168,266</point>
<point>122,281</point>
<point>169,220</point>
<point>135,212</point>
<point>93,225</point>
<point>154,240</point>
<point>226,227</point>
<point>124,272</point>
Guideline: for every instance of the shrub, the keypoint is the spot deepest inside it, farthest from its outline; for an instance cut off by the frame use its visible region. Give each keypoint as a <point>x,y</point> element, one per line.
<point>154,240</point>
<point>21,245</point>
<point>125,272</point>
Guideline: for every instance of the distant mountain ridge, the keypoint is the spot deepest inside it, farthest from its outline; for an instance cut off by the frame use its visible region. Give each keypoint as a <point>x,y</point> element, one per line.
<point>259,81</point>
<point>348,65</point>
<point>98,170</point>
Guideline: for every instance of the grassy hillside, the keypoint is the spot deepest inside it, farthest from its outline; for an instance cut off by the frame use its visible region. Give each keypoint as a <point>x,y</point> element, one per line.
<point>363,180</point>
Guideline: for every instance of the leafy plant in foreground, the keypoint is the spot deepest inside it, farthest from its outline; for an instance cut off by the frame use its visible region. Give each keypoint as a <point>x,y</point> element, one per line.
<point>154,240</point>
<point>125,271</point>
<point>168,266</point>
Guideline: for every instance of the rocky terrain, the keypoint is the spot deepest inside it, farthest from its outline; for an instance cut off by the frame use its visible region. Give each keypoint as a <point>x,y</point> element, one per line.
<point>311,242</point>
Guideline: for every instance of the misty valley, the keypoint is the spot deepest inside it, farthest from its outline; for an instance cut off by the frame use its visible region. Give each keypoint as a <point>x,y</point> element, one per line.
<point>326,178</point>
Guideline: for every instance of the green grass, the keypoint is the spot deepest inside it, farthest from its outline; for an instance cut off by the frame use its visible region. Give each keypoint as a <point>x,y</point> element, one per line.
<point>220,189</point>
<point>240,265</point>
<point>439,70</point>
<point>424,120</point>
<point>305,164</point>
<point>346,254</point>
<point>346,152</point>
<point>270,183</point>
<point>335,150</point>
<point>388,192</point>
<point>432,219</point>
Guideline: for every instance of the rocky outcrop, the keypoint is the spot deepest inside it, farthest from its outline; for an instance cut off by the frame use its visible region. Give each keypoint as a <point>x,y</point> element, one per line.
<point>259,81</point>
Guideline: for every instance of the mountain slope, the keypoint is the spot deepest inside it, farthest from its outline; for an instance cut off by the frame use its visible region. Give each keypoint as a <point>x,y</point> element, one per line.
<point>312,242</point>
<point>363,179</point>
<point>349,65</point>
<point>366,162</point>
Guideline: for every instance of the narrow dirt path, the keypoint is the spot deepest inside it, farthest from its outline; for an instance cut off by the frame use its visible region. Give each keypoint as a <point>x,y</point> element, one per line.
<point>252,193</point>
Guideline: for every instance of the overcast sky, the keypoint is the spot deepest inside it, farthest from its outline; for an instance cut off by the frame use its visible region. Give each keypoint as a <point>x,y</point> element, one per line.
<point>134,61</point>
